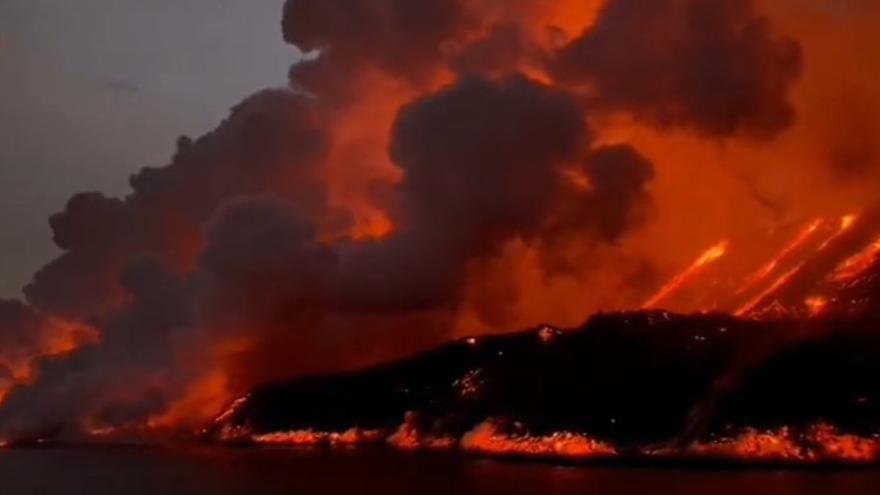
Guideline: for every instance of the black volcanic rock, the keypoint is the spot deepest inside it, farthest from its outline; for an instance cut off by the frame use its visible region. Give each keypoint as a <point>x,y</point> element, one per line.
<point>632,380</point>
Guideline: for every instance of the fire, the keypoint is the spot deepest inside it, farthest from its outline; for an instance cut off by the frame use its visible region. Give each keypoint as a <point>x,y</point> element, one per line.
<point>487,439</point>
<point>708,257</point>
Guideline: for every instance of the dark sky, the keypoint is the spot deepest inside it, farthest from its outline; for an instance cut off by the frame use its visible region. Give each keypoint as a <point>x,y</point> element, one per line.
<point>91,90</point>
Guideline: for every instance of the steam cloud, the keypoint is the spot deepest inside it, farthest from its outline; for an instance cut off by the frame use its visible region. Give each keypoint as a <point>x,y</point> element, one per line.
<point>239,256</point>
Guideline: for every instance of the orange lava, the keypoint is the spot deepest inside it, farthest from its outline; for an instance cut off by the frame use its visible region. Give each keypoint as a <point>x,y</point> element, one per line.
<point>816,306</point>
<point>820,443</point>
<point>409,438</point>
<point>487,439</point>
<point>846,223</point>
<point>754,304</point>
<point>842,447</point>
<point>753,445</point>
<point>799,241</point>
<point>855,266</point>
<point>309,438</point>
<point>709,257</point>
<point>230,411</point>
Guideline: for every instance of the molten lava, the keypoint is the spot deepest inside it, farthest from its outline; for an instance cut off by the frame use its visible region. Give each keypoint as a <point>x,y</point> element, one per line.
<point>819,443</point>
<point>710,256</point>
<point>755,305</point>
<point>799,241</point>
<point>487,439</point>
<point>855,266</point>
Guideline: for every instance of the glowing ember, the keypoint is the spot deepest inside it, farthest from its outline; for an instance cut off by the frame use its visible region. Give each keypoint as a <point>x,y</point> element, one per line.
<point>847,221</point>
<point>754,445</point>
<point>310,438</point>
<point>816,305</point>
<point>709,257</point>
<point>819,443</point>
<point>842,447</point>
<point>487,439</point>
<point>230,411</point>
<point>548,334</point>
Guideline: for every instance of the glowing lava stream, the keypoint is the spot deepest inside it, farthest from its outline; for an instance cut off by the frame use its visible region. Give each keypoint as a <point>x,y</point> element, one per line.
<point>846,223</point>
<point>853,267</point>
<point>819,443</point>
<point>782,280</point>
<point>709,257</point>
<point>798,242</point>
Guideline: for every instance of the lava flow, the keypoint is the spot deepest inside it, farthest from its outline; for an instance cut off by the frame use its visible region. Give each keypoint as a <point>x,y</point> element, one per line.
<point>711,255</point>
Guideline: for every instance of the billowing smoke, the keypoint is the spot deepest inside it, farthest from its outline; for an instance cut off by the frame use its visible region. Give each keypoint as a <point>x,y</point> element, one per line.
<point>714,66</point>
<point>435,167</point>
<point>26,333</point>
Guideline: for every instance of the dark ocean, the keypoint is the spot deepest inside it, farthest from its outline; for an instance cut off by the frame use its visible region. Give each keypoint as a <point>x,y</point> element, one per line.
<point>233,471</point>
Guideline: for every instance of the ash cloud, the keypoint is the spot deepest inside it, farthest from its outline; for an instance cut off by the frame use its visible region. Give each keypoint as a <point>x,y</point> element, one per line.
<point>715,66</point>
<point>401,37</point>
<point>483,164</point>
<point>268,144</point>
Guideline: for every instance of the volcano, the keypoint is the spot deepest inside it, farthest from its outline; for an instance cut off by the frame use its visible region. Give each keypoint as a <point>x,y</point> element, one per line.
<point>774,387</point>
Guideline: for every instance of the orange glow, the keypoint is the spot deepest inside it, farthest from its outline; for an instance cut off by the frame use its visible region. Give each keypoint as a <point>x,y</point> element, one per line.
<point>60,338</point>
<point>727,187</point>
<point>486,439</point>
<point>846,223</point>
<point>842,447</point>
<point>756,302</point>
<point>577,179</point>
<point>855,266</point>
<point>820,443</point>
<point>201,400</point>
<point>710,256</point>
<point>816,305</point>
<point>409,438</point>
<point>754,445</point>
<point>805,235</point>
<point>308,438</point>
